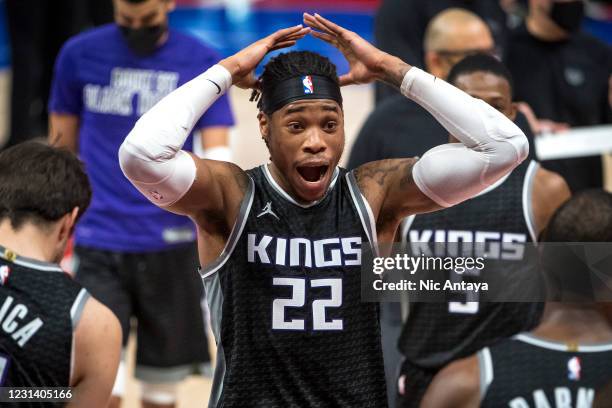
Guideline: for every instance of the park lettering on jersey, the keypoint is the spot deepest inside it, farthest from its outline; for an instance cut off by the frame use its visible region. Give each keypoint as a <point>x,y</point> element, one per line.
<point>563,398</point>
<point>12,317</point>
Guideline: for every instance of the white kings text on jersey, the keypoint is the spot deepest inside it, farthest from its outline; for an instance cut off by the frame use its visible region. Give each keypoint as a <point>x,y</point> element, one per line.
<point>303,252</point>
<point>148,85</point>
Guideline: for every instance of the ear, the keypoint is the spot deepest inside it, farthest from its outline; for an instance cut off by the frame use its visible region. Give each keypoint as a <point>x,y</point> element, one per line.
<point>433,64</point>
<point>170,5</point>
<point>264,125</point>
<point>514,110</point>
<point>67,224</point>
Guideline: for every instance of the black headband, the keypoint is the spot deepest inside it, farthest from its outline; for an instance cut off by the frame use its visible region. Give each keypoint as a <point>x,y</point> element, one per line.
<point>297,88</point>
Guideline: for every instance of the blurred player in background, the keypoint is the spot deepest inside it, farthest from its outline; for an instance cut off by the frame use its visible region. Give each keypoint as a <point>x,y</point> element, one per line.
<point>53,333</point>
<point>563,74</point>
<point>400,28</point>
<point>281,243</point>
<point>451,36</point>
<point>138,260</point>
<point>562,362</point>
<point>515,209</point>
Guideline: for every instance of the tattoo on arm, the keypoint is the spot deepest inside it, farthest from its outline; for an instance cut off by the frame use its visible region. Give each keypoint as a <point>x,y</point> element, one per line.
<point>406,179</point>
<point>241,178</point>
<point>395,74</point>
<point>376,171</point>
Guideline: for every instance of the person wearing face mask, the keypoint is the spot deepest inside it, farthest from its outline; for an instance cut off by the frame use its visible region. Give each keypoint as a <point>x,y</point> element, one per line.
<point>563,74</point>
<point>135,258</point>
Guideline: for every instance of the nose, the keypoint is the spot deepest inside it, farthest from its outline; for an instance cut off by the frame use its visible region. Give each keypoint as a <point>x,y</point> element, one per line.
<point>314,142</point>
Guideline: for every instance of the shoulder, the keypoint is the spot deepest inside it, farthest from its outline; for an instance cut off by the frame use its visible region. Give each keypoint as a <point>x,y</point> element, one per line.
<point>550,186</point>
<point>98,323</point>
<point>94,36</point>
<point>456,385</point>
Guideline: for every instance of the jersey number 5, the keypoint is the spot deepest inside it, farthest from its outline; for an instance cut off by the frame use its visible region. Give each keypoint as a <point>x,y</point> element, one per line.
<point>298,299</point>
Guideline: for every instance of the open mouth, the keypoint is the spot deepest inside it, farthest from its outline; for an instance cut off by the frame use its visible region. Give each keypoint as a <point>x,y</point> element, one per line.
<point>312,174</point>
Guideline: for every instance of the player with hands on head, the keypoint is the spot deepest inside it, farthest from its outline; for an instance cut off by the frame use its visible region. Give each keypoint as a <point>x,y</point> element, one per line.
<point>287,317</point>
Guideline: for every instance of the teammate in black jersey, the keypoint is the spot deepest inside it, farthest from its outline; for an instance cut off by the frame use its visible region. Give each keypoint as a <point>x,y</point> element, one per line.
<point>516,209</point>
<point>280,244</point>
<point>564,361</point>
<point>53,334</point>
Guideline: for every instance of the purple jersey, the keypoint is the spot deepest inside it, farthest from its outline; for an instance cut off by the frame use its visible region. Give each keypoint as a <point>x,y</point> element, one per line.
<point>98,78</point>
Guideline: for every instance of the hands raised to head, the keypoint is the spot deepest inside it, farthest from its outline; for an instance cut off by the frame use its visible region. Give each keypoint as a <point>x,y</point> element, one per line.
<point>367,63</point>
<point>242,64</point>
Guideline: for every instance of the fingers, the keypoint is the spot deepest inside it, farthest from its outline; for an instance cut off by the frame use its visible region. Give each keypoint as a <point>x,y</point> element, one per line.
<point>283,44</point>
<point>334,28</point>
<point>346,79</point>
<point>311,21</point>
<point>294,37</point>
<point>288,32</point>
<point>325,37</point>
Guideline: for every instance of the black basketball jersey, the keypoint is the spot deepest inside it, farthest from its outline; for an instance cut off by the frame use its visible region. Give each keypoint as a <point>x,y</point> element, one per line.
<point>436,333</point>
<point>527,371</point>
<point>285,300</point>
<point>39,308</point>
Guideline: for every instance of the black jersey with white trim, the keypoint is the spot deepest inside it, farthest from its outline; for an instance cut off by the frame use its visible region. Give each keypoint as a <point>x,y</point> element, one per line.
<point>527,371</point>
<point>40,306</point>
<point>285,300</point>
<point>501,220</point>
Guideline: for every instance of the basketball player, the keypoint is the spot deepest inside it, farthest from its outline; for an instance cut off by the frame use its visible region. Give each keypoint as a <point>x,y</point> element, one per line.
<point>281,243</point>
<point>125,247</point>
<point>514,209</point>
<point>565,360</point>
<point>53,333</point>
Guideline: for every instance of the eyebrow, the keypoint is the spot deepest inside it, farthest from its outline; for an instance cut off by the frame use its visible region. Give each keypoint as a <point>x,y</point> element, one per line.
<point>329,108</point>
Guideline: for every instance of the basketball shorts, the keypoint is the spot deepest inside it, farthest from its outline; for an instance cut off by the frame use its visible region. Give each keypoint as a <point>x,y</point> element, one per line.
<point>163,293</point>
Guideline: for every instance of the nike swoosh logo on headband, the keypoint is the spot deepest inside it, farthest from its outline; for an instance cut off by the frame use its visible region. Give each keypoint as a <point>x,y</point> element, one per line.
<point>218,87</point>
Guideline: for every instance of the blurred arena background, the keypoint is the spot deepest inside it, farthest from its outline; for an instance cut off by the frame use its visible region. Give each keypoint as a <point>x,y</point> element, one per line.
<point>229,25</point>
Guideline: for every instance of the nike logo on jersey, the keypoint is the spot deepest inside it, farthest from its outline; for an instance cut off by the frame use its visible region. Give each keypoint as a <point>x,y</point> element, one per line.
<point>268,210</point>
<point>302,252</point>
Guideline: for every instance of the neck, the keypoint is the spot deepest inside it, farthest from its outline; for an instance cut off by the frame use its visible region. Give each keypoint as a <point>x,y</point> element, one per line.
<point>545,30</point>
<point>574,322</point>
<point>29,242</point>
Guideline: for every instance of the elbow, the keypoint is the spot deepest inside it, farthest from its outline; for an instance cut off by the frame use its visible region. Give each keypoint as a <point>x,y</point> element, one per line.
<point>522,147</point>
<point>512,144</point>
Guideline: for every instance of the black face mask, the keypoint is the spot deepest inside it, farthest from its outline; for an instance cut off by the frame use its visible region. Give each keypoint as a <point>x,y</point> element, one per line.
<point>568,15</point>
<point>143,41</point>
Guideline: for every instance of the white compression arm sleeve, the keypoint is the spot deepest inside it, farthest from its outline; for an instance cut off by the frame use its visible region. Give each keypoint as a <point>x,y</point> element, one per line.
<point>491,144</point>
<point>151,156</point>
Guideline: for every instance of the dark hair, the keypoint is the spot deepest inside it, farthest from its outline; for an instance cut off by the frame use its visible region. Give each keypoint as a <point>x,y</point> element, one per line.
<point>293,64</point>
<point>586,217</point>
<point>480,63</point>
<point>568,268</point>
<point>41,184</point>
